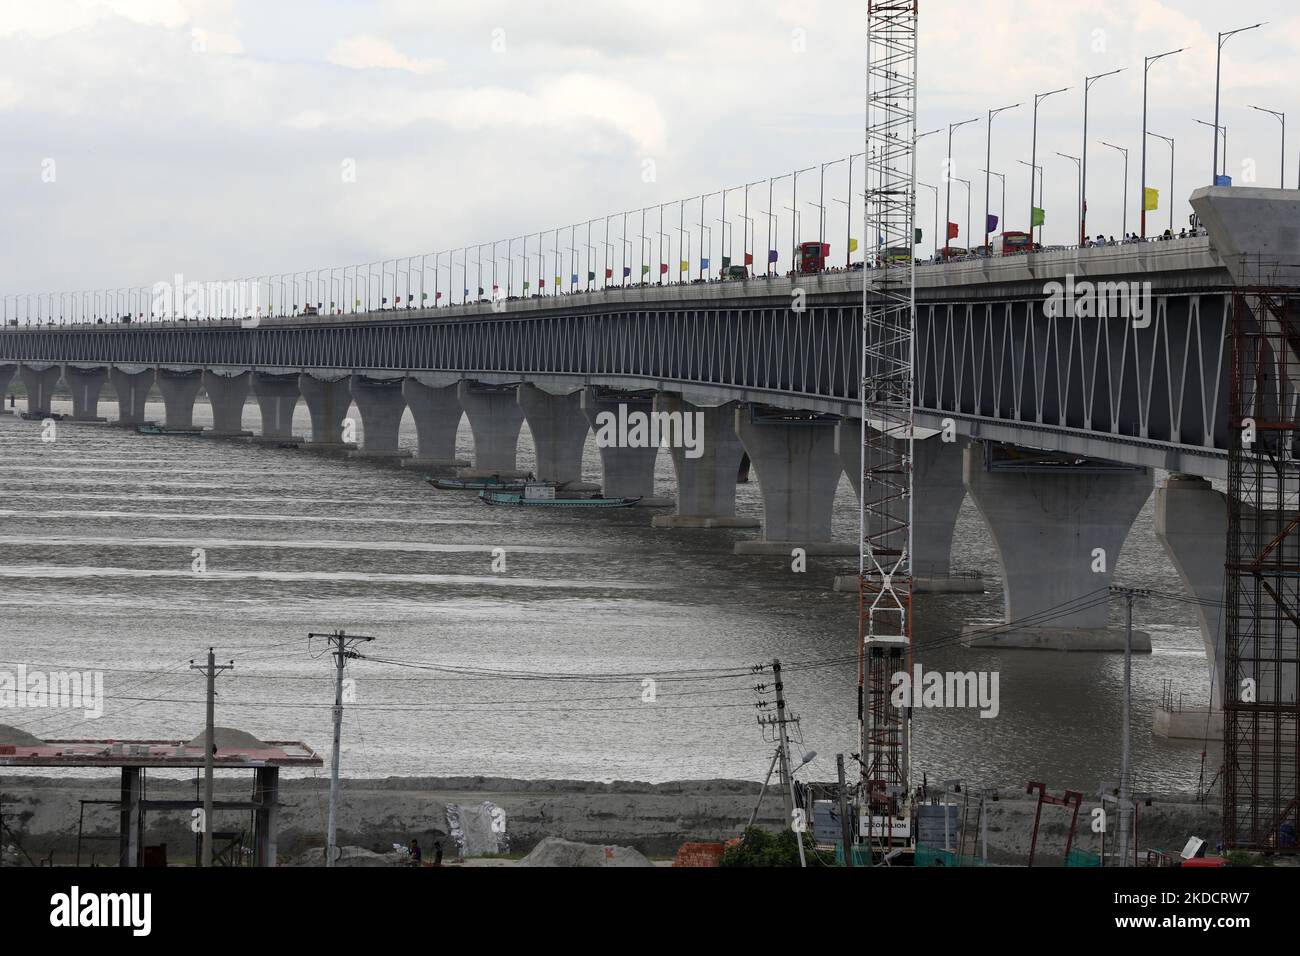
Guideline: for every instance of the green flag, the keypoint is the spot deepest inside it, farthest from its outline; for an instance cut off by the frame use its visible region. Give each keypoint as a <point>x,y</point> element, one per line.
<point>645,270</point>
<point>1040,217</point>
<point>591,277</point>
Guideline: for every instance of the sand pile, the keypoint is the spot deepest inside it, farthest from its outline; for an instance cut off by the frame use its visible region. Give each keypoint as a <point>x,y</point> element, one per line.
<point>553,851</point>
<point>228,737</point>
<point>13,737</point>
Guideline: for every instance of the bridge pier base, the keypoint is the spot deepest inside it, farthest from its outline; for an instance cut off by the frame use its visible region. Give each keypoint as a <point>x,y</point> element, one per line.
<point>625,472</point>
<point>1058,536</point>
<point>6,376</point>
<point>938,492</point>
<point>798,473</point>
<point>132,392</point>
<point>1192,525</point>
<point>706,486</point>
<point>328,404</point>
<point>437,415</point>
<point>178,390</point>
<point>277,397</point>
<point>495,418</point>
<point>39,383</point>
<point>381,404</point>
<point>559,430</point>
<point>85,384</point>
<point>226,394</point>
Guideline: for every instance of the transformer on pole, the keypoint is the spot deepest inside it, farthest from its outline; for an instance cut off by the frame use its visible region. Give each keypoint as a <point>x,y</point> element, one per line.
<point>888,350</point>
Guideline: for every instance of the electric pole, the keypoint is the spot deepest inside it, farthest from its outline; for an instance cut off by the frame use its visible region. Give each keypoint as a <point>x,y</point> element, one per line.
<point>1129,594</point>
<point>342,650</point>
<point>210,670</point>
<point>783,756</point>
<point>846,825</point>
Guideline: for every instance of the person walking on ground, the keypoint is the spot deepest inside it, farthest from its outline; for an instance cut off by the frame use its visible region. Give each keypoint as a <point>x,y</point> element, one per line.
<point>416,856</point>
<point>437,854</point>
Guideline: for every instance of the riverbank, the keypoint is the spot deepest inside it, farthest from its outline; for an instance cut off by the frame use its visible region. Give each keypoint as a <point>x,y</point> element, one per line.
<point>656,819</point>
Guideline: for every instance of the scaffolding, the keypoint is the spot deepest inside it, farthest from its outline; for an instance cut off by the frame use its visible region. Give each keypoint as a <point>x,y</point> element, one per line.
<point>1261,750</point>
<point>888,323</point>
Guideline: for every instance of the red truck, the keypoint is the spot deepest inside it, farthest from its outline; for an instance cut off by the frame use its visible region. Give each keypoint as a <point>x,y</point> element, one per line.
<point>813,256</point>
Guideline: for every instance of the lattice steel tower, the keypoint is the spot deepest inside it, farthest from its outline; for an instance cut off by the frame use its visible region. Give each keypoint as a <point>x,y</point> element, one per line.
<point>888,349</point>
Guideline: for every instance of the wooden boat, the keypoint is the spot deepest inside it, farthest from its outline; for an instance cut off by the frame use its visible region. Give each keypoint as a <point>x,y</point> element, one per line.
<point>50,416</point>
<point>164,430</point>
<point>541,495</point>
<point>491,483</point>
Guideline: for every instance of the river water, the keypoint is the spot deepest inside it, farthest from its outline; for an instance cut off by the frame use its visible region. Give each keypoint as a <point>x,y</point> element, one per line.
<point>98,531</point>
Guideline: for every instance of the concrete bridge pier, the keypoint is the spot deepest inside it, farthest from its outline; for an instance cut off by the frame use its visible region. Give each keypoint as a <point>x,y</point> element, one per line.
<point>798,474</point>
<point>39,381</point>
<point>133,385</point>
<point>85,383</point>
<point>277,397</point>
<point>1058,530</point>
<point>625,472</point>
<point>706,478</point>
<point>179,388</point>
<point>1192,525</point>
<point>495,418</point>
<point>437,414</point>
<point>6,376</point>
<point>937,495</point>
<point>227,394</point>
<point>327,403</point>
<point>559,430</point>
<point>381,404</point>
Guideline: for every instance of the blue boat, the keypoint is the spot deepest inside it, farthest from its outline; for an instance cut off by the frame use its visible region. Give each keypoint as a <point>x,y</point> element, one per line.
<point>542,495</point>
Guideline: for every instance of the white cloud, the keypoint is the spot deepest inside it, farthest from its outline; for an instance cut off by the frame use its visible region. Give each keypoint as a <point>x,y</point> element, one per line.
<point>366,52</point>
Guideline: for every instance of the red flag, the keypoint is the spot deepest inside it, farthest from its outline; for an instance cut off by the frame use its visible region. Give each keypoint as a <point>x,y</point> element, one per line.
<point>953,231</point>
<point>541,283</point>
<point>749,258</point>
<point>663,267</point>
<point>609,273</point>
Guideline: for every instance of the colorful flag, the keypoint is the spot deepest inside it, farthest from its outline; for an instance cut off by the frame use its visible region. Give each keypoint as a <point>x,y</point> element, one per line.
<point>953,231</point>
<point>609,273</point>
<point>704,263</point>
<point>574,280</point>
<point>356,302</point>
<point>749,258</point>
<point>1223,180</point>
<point>685,266</point>
<point>771,255</point>
<point>423,296</point>
<point>991,225</point>
<point>525,283</point>
<point>663,267</point>
<point>853,245</point>
<point>558,280</point>
<point>541,283</point>
<point>480,290</point>
<point>627,271</point>
<point>916,237</point>
<point>1152,198</point>
<point>645,270</point>
<point>1039,218</point>
<point>397,301</point>
<point>437,296</point>
<point>591,277</point>
<point>726,262</point>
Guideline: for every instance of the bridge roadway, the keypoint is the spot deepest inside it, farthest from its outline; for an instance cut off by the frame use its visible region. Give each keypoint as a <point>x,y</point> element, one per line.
<point>770,367</point>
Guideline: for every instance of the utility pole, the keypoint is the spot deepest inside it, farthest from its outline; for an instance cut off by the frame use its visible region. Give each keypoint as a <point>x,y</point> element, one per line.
<point>783,755</point>
<point>342,651</point>
<point>846,825</point>
<point>210,670</point>
<point>1129,594</point>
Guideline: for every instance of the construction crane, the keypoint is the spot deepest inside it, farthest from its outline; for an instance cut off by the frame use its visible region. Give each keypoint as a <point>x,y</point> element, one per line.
<point>888,359</point>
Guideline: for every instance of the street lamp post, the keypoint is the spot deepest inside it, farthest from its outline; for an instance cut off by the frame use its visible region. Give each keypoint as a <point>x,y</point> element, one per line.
<point>1281,117</point>
<point>966,183</point>
<point>1217,130</point>
<point>1146,69</point>
<point>1170,141</point>
<point>794,203</point>
<point>767,253</point>
<point>1079,208</point>
<point>1218,73</point>
<point>935,190</point>
<point>703,230</point>
<point>1035,172</point>
<point>1123,150</point>
<point>988,161</point>
<point>821,226</point>
<point>744,253</point>
<point>1003,220</point>
<point>1033,159</point>
<point>947,178</point>
<point>1083,172</point>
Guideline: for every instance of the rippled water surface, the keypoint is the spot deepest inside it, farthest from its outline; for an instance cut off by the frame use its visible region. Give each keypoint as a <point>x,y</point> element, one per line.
<point>98,530</point>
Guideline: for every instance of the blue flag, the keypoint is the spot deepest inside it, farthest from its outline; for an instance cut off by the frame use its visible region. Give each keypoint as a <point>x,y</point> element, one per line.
<point>704,263</point>
<point>771,255</point>
<point>992,224</point>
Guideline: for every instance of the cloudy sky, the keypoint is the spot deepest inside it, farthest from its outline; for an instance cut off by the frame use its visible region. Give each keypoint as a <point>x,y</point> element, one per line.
<point>227,138</point>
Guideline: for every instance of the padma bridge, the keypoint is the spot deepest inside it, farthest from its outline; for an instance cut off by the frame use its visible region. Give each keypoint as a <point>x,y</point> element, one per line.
<point>1052,411</point>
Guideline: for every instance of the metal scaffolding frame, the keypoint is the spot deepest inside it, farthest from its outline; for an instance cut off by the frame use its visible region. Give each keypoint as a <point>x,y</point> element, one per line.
<point>888,384</point>
<point>1261,745</point>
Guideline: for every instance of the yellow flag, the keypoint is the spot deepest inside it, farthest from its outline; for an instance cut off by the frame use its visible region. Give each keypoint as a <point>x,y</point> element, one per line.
<point>853,245</point>
<point>685,265</point>
<point>1152,198</point>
